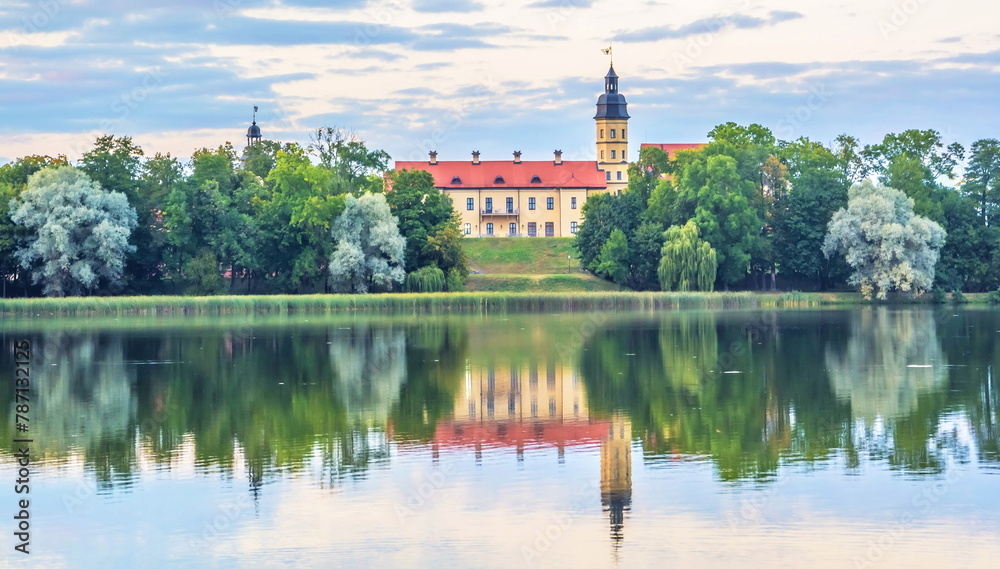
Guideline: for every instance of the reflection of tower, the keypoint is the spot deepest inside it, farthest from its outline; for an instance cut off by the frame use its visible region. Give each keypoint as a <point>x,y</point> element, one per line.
<point>616,473</point>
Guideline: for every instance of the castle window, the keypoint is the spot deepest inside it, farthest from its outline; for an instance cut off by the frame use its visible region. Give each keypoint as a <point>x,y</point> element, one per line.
<point>531,203</point>
<point>607,176</point>
<point>456,180</point>
<point>619,175</point>
<point>550,203</point>
<point>612,133</point>
<point>612,154</point>
<point>536,180</point>
<point>623,133</point>
<point>602,155</point>
<point>498,180</point>
<point>572,203</point>
<point>572,227</point>
<point>602,133</point>
<point>468,229</point>
<point>489,229</point>
<point>470,204</point>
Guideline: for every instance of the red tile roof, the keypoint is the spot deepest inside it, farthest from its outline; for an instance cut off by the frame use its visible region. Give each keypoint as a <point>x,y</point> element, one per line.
<point>672,148</point>
<point>569,174</point>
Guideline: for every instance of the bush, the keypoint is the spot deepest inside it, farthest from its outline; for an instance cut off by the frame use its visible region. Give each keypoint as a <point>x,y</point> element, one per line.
<point>994,297</point>
<point>939,296</point>
<point>455,281</point>
<point>425,279</point>
<point>958,298</point>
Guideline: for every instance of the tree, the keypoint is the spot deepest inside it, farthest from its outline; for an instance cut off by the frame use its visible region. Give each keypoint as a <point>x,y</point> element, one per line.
<point>294,212</point>
<point>369,249</point>
<point>78,232</point>
<point>425,211</point>
<point>356,169</point>
<point>13,181</point>
<point>818,189</point>
<point>613,261</point>
<point>982,176</point>
<point>721,200</point>
<point>688,263</point>
<point>885,243</point>
<point>602,214</point>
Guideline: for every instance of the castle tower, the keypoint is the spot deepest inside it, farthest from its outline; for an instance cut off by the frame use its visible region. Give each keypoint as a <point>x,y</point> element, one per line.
<point>253,133</point>
<point>612,133</point>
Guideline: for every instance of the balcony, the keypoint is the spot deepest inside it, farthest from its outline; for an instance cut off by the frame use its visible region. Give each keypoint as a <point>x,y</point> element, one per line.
<point>500,211</point>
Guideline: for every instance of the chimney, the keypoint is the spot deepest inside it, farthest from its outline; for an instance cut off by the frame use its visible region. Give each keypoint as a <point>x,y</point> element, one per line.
<point>558,159</point>
<point>517,157</point>
<point>434,157</point>
<point>475,157</point>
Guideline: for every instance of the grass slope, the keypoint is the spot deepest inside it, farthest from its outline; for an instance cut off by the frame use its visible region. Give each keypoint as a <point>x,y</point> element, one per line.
<point>538,283</point>
<point>521,256</point>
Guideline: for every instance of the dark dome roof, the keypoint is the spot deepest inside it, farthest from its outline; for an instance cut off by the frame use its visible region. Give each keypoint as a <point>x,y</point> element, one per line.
<point>253,131</point>
<point>611,106</point>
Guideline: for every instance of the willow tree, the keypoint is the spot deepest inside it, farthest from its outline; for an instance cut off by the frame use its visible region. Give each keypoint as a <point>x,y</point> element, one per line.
<point>887,245</point>
<point>688,262</point>
<point>77,232</point>
<point>369,250</point>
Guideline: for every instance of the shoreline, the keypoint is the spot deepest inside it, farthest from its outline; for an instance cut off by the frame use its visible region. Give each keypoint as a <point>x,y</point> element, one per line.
<point>439,303</point>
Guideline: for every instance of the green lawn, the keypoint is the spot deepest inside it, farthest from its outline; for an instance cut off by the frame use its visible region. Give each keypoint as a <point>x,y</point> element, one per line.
<point>521,255</point>
<point>577,282</point>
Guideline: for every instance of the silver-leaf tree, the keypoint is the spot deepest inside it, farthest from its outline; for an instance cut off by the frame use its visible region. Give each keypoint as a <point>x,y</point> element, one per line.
<point>369,249</point>
<point>885,243</point>
<point>77,232</point>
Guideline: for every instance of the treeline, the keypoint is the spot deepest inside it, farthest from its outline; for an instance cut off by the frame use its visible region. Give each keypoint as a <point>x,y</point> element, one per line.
<point>750,211</point>
<point>279,218</point>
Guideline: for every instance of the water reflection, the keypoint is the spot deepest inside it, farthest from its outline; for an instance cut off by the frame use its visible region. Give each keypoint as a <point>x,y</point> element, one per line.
<point>892,358</point>
<point>335,402</point>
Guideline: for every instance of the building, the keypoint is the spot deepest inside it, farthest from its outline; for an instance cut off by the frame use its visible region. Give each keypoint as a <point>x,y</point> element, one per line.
<point>515,198</point>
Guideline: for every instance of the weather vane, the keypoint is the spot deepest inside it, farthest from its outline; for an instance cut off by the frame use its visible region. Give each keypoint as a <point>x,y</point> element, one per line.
<point>255,114</point>
<point>607,51</point>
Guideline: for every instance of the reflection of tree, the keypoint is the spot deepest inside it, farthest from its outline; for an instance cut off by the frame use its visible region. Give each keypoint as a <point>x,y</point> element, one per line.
<point>668,376</point>
<point>873,372</point>
<point>83,399</point>
<point>436,353</point>
<point>369,366</point>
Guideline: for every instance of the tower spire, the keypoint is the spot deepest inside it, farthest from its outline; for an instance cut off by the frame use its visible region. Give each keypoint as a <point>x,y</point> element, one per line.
<point>253,133</point>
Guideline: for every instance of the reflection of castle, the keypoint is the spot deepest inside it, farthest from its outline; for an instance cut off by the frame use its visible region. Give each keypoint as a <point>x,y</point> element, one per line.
<point>537,405</point>
<point>616,473</point>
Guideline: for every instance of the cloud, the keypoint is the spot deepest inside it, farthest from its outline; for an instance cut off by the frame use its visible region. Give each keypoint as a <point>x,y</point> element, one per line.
<point>706,25</point>
<point>436,6</point>
<point>561,4</point>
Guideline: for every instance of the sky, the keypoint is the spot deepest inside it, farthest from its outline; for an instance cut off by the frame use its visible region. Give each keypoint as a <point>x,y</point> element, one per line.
<point>496,76</point>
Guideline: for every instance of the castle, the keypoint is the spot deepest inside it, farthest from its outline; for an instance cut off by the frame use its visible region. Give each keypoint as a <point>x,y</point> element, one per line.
<point>515,198</point>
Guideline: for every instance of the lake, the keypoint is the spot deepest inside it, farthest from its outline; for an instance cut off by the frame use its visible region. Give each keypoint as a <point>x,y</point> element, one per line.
<point>866,437</point>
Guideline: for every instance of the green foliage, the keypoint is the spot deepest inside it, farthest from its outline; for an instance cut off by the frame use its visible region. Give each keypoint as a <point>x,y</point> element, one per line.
<point>427,220</point>
<point>958,298</point>
<point>613,261</point>
<point>425,279</point>
<point>354,167</point>
<point>369,249</point>
<point>77,233</point>
<point>202,275</point>
<point>994,296</point>
<point>982,176</point>
<point>818,189</point>
<point>455,281</point>
<point>688,263</point>
<point>939,296</point>
<point>294,212</point>
<point>887,246</point>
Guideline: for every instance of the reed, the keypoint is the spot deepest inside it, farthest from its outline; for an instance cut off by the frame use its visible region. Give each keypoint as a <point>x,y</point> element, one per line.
<point>419,303</point>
